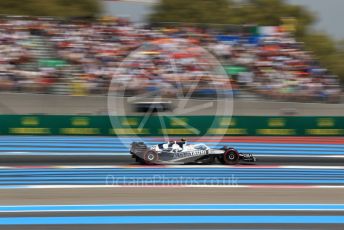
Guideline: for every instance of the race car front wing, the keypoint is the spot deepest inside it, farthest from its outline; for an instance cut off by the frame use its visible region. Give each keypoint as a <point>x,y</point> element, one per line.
<point>247,157</point>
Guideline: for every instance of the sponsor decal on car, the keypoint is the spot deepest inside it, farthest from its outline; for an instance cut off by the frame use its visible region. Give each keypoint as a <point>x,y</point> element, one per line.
<point>190,154</point>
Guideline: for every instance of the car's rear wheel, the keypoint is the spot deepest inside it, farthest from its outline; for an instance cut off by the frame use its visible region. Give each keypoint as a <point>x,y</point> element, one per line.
<point>151,157</point>
<point>230,157</point>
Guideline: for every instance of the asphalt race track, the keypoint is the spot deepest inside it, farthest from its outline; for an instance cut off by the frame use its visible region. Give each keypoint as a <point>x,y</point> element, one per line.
<point>36,150</point>
<point>81,182</point>
<point>115,176</point>
<point>241,216</point>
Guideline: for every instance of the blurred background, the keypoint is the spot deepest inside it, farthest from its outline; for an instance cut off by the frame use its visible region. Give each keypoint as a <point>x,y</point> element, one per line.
<point>271,50</point>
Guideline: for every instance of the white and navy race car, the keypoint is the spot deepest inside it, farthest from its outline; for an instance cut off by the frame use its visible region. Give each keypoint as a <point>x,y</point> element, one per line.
<point>181,152</point>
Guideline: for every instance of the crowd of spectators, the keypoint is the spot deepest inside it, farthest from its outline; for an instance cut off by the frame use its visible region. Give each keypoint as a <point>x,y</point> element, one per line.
<point>113,55</point>
<point>171,67</point>
<point>278,67</point>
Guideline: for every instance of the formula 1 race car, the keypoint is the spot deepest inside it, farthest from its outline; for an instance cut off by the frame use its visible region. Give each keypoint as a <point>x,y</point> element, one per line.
<point>183,153</point>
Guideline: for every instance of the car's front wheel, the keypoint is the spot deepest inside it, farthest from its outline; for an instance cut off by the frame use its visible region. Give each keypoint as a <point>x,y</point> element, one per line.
<point>230,157</point>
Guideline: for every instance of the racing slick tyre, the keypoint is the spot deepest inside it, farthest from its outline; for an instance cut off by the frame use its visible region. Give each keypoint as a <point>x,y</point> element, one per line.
<point>150,157</point>
<point>230,157</point>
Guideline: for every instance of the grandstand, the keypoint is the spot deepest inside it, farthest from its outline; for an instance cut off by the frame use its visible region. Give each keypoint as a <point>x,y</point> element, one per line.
<point>47,55</point>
